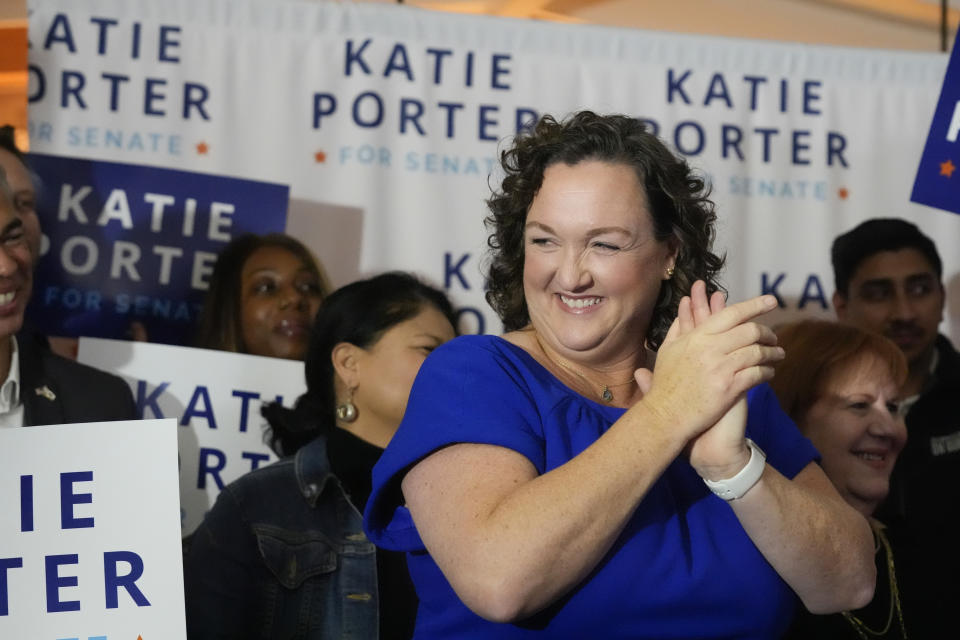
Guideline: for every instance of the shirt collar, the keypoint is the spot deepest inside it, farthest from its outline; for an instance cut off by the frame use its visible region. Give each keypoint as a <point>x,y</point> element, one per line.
<point>10,389</point>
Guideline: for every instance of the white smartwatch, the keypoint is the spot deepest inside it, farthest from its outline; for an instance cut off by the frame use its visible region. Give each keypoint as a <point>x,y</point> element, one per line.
<point>738,485</point>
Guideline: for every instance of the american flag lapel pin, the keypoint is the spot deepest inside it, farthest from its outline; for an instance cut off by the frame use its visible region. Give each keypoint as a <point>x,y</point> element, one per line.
<point>45,392</point>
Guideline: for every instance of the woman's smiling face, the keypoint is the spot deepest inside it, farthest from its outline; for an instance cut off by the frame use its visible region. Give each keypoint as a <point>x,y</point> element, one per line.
<point>593,266</point>
<point>280,296</point>
<point>856,427</point>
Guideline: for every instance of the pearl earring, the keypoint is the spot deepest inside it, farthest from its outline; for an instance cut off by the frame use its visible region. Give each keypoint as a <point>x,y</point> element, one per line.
<point>347,411</point>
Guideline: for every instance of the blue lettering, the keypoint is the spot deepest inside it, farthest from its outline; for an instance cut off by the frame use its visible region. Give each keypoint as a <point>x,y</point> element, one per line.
<point>813,291</point>
<point>323,105</point>
<point>135,44</point>
<point>799,137</point>
<point>406,104</point>
<point>167,42</point>
<point>378,105</point>
<point>102,23</point>
<point>453,270</point>
<point>26,503</point>
<point>61,22</point>
<point>451,108</point>
<point>150,96</point>
<point>700,138</point>
<point>766,133</point>
<point>68,499</point>
<point>468,72</point>
<point>767,287</point>
<point>398,61</point>
<point>486,122</point>
<point>71,84</point>
<point>675,86</point>
<point>205,468</point>
<point>526,119</point>
<point>112,581</point>
<point>499,70</point>
<point>356,57</point>
<point>114,80</point>
<point>54,582</point>
<point>476,313</point>
<point>754,81</point>
<point>731,136</point>
<point>809,97</point>
<point>836,143</point>
<point>197,102</point>
<point>717,89</point>
<point>438,56</point>
<point>245,398</point>
<point>5,564</point>
<point>199,407</point>
<point>40,85</point>
<point>145,401</point>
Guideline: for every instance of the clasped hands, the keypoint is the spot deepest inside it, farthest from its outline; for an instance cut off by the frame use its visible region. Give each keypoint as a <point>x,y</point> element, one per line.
<point>711,356</point>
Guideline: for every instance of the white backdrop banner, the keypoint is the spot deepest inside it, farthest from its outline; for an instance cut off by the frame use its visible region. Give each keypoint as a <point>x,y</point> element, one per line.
<point>385,122</point>
<point>89,544</point>
<point>215,397</point>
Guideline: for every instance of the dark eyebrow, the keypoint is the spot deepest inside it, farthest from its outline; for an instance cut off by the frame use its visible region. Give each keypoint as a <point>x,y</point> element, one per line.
<point>593,232</point>
<point>13,225</point>
<point>877,282</point>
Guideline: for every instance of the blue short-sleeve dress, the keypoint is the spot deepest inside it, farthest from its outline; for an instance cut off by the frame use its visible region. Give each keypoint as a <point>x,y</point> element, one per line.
<point>682,568</point>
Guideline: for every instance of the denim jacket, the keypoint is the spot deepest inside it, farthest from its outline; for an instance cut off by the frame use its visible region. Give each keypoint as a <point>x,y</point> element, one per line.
<point>282,554</point>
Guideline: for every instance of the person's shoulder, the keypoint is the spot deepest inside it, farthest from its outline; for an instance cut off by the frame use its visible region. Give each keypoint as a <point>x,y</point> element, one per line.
<point>949,364</point>
<point>34,355</point>
<point>479,348</point>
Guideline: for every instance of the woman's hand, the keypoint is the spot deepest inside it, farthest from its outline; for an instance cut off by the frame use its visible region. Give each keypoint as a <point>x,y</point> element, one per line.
<point>721,451</point>
<point>710,358</point>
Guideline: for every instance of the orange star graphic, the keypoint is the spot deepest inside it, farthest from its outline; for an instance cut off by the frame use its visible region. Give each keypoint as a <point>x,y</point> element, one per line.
<point>320,157</point>
<point>843,193</point>
<point>947,168</point>
<point>202,148</point>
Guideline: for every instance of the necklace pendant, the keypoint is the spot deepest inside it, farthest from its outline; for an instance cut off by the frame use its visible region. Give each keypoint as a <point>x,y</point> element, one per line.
<point>606,395</point>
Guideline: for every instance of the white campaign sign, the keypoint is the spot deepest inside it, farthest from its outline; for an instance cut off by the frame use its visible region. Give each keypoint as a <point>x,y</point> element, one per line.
<point>89,539</point>
<point>215,397</point>
<point>386,122</point>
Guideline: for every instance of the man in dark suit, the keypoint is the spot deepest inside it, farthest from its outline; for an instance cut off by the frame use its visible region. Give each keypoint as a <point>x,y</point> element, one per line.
<point>39,387</point>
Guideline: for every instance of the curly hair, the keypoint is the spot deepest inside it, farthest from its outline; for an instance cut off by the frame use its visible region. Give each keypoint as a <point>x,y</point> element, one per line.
<point>678,199</point>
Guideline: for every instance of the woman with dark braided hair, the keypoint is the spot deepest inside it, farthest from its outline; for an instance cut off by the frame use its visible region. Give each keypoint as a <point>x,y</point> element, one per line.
<point>282,553</point>
<point>552,483</point>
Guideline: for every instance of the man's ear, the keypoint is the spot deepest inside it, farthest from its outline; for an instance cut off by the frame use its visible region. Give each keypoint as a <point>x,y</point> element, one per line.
<point>345,357</point>
<point>840,304</point>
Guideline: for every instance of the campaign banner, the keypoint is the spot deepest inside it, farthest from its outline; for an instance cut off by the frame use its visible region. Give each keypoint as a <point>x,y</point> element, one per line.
<point>89,544</point>
<point>935,184</point>
<point>215,397</point>
<point>128,243</point>
<point>387,122</point>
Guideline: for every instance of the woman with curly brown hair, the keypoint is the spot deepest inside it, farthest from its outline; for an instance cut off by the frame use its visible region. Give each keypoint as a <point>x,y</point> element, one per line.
<point>552,483</point>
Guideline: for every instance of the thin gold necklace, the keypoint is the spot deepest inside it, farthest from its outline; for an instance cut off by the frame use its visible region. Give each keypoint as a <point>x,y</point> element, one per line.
<point>605,394</point>
<point>859,626</point>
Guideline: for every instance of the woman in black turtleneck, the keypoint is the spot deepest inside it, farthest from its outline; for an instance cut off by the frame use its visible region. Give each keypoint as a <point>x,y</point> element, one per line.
<point>282,553</point>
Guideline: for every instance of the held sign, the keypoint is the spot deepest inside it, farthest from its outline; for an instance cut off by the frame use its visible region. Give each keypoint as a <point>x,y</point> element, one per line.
<point>215,397</point>
<point>938,180</point>
<point>89,543</point>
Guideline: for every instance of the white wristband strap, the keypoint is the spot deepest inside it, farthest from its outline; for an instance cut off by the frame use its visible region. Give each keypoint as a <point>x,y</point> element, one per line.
<point>738,485</point>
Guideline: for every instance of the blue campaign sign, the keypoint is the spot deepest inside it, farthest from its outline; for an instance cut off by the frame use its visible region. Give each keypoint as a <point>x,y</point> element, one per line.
<point>938,180</point>
<point>128,243</point>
